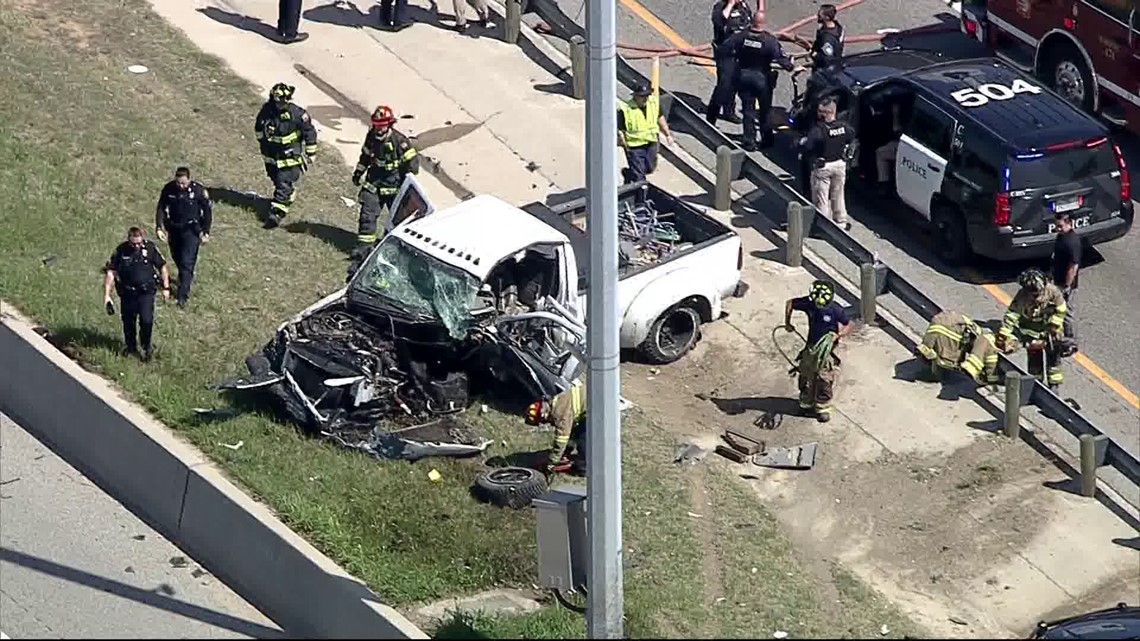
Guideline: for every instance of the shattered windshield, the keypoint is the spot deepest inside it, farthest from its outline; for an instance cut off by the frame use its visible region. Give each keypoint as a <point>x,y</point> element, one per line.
<point>420,284</point>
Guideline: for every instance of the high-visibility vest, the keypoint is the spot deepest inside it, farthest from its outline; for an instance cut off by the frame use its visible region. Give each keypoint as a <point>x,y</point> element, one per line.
<point>641,124</point>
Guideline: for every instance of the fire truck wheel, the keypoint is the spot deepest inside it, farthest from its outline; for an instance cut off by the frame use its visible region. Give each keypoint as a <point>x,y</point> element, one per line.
<point>1066,72</point>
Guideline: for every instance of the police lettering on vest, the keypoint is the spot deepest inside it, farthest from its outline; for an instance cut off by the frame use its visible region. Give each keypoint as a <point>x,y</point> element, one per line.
<point>837,137</point>
<point>758,51</point>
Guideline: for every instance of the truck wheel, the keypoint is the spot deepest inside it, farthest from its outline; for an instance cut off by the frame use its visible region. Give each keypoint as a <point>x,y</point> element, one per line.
<point>1067,74</point>
<point>513,487</point>
<point>949,235</point>
<point>672,335</point>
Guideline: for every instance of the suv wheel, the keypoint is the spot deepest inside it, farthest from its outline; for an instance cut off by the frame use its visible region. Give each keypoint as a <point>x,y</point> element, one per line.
<point>949,235</point>
<point>1068,75</point>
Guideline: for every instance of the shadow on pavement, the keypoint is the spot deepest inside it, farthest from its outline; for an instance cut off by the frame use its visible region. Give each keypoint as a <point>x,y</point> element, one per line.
<point>770,405</point>
<point>153,599</point>
<point>240,21</point>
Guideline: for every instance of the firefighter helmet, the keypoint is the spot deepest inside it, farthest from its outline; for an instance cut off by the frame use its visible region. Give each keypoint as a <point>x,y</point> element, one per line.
<point>1032,279</point>
<point>383,116</point>
<point>534,412</point>
<point>821,293</point>
<point>282,91</point>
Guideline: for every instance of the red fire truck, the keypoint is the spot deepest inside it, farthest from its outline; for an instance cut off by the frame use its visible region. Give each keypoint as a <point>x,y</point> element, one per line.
<point>1086,50</point>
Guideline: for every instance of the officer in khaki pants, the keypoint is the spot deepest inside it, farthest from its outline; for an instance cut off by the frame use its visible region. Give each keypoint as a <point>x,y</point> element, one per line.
<point>481,10</point>
<point>825,148</point>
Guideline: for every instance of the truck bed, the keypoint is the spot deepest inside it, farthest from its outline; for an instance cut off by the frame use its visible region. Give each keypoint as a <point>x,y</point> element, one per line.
<point>694,230</point>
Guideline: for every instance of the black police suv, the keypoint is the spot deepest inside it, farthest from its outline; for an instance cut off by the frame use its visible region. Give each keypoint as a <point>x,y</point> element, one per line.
<point>983,152</point>
<point>1120,622</point>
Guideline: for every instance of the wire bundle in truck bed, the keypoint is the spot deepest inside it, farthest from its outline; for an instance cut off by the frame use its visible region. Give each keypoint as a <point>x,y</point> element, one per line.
<point>679,228</point>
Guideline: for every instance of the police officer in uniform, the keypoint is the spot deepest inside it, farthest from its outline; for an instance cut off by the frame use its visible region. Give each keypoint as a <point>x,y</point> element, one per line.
<point>728,17</point>
<point>133,271</point>
<point>288,143</point>
<point>755,50</point>
<point>386,157</point>
<point>288,21</point>
<point>824,150</point>
<point>183,218</point>
<point>826,53</point>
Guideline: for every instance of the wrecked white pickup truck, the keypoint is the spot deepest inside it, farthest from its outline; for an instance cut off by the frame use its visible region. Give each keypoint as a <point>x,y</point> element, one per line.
<point>486,297</point>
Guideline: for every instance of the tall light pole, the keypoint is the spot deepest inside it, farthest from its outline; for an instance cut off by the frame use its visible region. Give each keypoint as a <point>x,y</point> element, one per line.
<point>605,604</point>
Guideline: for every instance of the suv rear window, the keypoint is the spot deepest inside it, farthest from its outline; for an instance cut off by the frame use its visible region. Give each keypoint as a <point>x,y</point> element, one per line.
<point>1063,166</point>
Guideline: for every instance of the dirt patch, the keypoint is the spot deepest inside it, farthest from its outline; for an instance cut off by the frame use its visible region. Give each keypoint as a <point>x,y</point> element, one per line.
<point>918,528</point>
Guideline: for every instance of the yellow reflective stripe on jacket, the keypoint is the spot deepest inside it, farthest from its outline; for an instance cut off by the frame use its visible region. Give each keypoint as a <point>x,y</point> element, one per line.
<point>290,162</point>
<point>1057,318</point>
<point>310,149</point>
<point>576,400</point>
<point>1008,322</point>
<point>286,139</point>
<point>383,191</point>
<point>409,154</point>
<point>945,331</point>
<point>366,238</point>
<point>641,126</point>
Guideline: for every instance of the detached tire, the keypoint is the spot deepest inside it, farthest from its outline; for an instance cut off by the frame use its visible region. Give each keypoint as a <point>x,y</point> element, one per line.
<point>948,231</point>
<point>513,487</point>
<point>672,335</point>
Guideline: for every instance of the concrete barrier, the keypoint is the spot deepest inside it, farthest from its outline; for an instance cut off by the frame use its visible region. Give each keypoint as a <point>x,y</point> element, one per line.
<point>178,492</point>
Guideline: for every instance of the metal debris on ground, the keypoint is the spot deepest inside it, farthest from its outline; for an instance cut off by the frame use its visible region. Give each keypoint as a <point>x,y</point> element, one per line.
<point>957,621</point>
<point>644,237</point>
<point>690,453</point>
<point>198,572</point>
<point>731,454</point>
<point>799,457</point>
<point>139,537</point>
<point>179,561</point>
<point>742,442</point>
<point>235,447</point>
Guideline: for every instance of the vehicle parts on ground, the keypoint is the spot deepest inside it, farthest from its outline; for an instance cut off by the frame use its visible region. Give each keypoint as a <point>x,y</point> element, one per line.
<point>513,487</point>
<point>799,457</point>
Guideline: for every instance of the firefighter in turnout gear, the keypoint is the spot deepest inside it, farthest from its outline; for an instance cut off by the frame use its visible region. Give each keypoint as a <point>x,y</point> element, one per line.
<point>1036,317</point>
<point>954,341</point>
<point>386,157</point>
<point>288,142</point>
<point>567,413</point>
<point>817,363</point>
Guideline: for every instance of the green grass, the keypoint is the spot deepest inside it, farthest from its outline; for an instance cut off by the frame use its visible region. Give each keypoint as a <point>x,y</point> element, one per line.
<point>86,146</point>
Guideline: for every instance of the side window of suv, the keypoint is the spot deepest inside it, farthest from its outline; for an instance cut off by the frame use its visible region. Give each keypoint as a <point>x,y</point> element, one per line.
<point>931,127</point>
<point>979,160</point>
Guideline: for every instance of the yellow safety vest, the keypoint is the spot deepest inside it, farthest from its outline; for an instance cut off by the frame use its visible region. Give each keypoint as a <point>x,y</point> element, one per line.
<point>641,124</point>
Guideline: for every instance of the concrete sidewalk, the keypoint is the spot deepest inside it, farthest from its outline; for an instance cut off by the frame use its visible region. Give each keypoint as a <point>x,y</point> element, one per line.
<point>913,493</point>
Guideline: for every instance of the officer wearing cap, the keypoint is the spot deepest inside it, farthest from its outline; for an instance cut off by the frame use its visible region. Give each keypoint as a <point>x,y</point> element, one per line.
<point>133,272</point>
<point>288,142</point>
<point>183,218</point>
<point>756,50</point>
<point>817,363</point>
<point>639,122</point>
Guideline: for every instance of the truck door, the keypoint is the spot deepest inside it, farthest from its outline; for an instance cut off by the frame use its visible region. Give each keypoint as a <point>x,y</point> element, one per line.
<point>411,203</point>
<point>923,150</point>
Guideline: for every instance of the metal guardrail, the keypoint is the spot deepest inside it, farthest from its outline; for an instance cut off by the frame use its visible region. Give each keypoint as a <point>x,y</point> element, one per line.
<point>887,280</point>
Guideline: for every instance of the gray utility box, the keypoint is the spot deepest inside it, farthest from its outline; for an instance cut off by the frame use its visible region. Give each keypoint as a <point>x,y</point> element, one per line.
<point>563,553</point>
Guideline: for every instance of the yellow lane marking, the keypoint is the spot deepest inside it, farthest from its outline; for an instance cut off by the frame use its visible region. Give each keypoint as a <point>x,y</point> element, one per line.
<point>676,40</point>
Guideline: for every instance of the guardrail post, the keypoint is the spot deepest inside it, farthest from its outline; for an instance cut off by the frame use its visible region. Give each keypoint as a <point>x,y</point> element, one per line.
<point>578,67</point>
<point>869,291</point>
<point>795,257</point>
<point>513,26</point>
<point>1011,425</point>
<point>722,196</point>
<point>1093,450</point>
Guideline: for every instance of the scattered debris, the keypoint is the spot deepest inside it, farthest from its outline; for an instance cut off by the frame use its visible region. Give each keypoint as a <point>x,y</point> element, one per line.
<point>348,202</point>
<point>731,454</point>
<point>12,480</point>
<point>483,408</point>
<point>216,412</point>
<point>957,621</point>
<point>780,634</point>
<point>198,572</point>
<point>48,260</point>
<point>129,569</point>
<point>721,599</point>
<point>139,537</point>
<point>742,443</point>
<point>694,515</point>
<point>235,446</point>
<point>434,476</point>
<point>137,69</point>
<point>799,457</point>
<point>884,630</point>
<point>179,561</point>
<point>690,453</point>
<point>755,570</point>
<point>532,166</point>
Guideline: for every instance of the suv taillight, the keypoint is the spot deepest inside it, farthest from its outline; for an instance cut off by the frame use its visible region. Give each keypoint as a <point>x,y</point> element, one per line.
<point>1001,208</point>
<point>1125,179</point>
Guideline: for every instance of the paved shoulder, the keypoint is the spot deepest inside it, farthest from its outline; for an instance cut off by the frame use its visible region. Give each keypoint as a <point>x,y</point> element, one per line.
<point>76,563</point>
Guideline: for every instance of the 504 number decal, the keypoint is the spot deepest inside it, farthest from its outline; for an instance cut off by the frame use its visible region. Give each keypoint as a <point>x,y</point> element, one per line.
<point>982,94</point>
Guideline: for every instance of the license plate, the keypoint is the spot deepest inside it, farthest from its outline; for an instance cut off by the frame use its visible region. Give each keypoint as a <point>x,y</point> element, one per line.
<point>1069,204</point>
<point>1083,221</point>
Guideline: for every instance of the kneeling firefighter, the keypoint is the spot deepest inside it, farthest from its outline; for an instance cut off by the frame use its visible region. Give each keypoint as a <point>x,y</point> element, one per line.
<point>1036,316</point>
<point>567,413</point>
<point>817,363</point>
<point>954,341</point>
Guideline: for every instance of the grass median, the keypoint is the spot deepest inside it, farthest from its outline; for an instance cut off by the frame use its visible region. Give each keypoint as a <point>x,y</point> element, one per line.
<point>87,145</point>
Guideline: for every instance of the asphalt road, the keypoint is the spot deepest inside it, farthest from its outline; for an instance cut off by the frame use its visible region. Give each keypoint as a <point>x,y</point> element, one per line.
<point>74,563</point>
<point>1106,378</point>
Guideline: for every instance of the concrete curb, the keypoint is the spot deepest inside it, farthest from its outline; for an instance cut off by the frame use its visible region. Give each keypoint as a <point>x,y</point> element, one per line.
<point>177,491</point>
